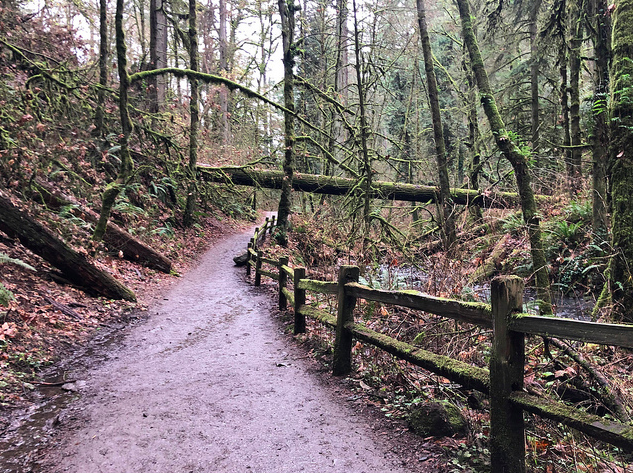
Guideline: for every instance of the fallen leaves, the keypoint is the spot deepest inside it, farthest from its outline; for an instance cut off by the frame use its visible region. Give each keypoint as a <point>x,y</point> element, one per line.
<point>8,330</point>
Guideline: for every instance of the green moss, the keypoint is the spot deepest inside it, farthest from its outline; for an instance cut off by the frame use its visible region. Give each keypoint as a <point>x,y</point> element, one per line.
<point>438,419</point>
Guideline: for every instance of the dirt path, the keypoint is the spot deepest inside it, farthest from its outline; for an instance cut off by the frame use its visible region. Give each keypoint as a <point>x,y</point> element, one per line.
<point>209,384</point>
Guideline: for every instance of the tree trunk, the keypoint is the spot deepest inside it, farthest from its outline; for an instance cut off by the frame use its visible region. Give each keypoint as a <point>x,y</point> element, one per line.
<point>126,170</point>
<point>575,45</point>
<point>75,267</point>
<point>194,111</point>
<point>103,66</point>
<point>341,186</point>
<point>115,237</point>
<point>364,131</point>
<point>474,136</point>
<point>563,59</point>
<point>224,92</point>
<point>157,51</point>
<point>447,220</point>
<point>534,86</point>
<point>600,136</point>
<point>513,154</point>
<point>287,13</point>
<point>621,151</point>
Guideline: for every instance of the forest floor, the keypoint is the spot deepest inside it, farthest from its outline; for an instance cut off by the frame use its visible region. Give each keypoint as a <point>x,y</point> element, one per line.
<point>202,377</point>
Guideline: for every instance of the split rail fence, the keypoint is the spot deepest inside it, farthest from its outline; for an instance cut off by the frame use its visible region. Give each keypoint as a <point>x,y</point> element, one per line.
<point>502,381</point>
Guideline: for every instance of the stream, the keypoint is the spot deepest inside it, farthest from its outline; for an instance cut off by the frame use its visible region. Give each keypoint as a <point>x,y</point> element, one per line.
<point>407,277</point>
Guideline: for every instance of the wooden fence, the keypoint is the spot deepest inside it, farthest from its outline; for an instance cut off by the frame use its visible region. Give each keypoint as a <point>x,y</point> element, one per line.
<point>503,381</point>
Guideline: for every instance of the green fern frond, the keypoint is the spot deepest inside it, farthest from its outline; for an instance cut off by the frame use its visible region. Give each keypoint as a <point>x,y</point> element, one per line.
<point>5,295</point>
<point>4,259</point>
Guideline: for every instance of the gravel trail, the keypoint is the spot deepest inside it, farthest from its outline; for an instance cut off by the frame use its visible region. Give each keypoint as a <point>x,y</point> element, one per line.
<point>207,384</point>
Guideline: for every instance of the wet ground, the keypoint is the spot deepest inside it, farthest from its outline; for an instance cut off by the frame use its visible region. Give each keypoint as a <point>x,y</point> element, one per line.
<point>207,383</point>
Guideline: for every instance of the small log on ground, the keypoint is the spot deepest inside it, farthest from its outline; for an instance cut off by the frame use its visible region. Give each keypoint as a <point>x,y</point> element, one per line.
<point>115,237</point>
<point>14,222</point>
<point>492,263</point>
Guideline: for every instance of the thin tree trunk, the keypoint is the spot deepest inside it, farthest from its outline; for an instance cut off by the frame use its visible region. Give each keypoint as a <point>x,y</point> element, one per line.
<point>447,220</point>
<point>364,129</point>
<point>473,136</point>
<point>513,154</point>
<point>534,86</point>
<point>600,142</point>
<point>157,51</point>
<point>575,45</point>
<point>103,66</point>
<point>287,13</point>
<point>341,79</point>
<point>564,103</point>
<point>194,111</point>
<point>126,170</point>
<point>224,92</point>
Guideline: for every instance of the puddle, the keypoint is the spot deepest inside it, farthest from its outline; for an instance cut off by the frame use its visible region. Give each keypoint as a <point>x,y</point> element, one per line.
<point>31,431</point>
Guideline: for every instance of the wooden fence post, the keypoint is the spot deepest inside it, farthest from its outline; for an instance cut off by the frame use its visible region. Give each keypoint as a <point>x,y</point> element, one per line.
<point>256,238</point>
<point>258,267</point>
<point>507,436</point>
<point>283,302</point>
<point>248,257</point>
<point>342,362</point>
<point>272,224</point>
<point>300,299</point>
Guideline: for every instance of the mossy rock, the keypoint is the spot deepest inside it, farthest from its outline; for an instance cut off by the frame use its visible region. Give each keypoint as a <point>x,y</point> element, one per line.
<point>437,419</point>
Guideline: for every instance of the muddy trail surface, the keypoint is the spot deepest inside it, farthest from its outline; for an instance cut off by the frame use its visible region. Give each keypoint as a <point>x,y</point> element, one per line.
<point>209,383</point>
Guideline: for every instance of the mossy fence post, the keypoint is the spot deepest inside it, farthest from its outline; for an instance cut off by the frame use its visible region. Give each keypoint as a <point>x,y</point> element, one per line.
<point>507,435</point>
<point>258,267</point>
<point>272,224</point>
<point>248,257</point>
<point>300,299</point>
<point>283,277</point>
<point>342,362</point>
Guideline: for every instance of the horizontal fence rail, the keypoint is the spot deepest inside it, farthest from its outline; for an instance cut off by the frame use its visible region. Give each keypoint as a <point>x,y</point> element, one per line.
<point>502,381</point>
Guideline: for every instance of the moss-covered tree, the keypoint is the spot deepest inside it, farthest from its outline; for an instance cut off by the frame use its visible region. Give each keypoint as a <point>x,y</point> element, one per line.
<point>514,155</point>
<point>126,169</point>
<point>287,10</point>
<point>194,111</point>
<point>600,129</point>
<point>447,218</point>
<point>103,67</point>
<point>621,150</point>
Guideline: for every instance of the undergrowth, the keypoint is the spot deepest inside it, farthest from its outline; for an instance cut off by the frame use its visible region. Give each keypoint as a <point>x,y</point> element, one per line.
<point>396,386</point>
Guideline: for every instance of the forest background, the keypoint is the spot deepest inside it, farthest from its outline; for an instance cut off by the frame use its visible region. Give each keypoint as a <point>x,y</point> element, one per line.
<point>135,111</point>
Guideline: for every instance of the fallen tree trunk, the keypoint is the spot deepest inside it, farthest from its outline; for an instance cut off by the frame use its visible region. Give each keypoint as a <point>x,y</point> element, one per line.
<point>75,267</point>
<point>341,186</point>
<point>115,237</point>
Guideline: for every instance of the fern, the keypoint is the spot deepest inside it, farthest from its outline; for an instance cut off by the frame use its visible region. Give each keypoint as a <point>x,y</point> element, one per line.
<point>5,295</point>
<point>4,259</point>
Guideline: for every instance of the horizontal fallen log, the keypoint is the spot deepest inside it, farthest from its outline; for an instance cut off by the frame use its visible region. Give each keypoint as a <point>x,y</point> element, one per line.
<point>116,238</point>
<point>341,186</point>
<point>75,266</point>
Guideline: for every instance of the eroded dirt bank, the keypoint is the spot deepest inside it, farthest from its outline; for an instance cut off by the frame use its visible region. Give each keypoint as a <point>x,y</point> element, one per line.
<point>209,384</point>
